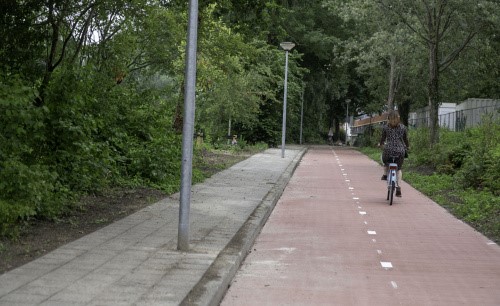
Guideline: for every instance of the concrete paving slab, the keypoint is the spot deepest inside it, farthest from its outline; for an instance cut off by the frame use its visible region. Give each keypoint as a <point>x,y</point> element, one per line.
<point>134,261</point>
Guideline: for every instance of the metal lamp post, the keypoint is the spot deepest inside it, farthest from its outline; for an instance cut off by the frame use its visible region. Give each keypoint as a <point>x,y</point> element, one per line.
<point>188,128</point>
<point>301,116</point>
<point>346,119</point>
<point>287,46</point>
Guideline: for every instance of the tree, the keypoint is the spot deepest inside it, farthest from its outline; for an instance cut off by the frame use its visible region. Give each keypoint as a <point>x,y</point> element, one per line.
<point>445,28</point>
<point>380,47</point>
<point>229,84</point>
<point>329,81</point>
<point>476,71</point>
<point>104,76</point>
<point>22,42</point>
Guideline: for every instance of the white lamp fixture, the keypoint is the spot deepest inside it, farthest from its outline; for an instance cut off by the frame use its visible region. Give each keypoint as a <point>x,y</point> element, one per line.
<point>287,46</point>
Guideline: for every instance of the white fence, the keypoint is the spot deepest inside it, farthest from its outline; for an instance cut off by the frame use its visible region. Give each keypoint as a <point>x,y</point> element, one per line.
<point>458,117</point>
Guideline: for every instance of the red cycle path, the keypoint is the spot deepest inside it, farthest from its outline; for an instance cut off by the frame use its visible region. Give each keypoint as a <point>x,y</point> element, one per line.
<point>332,239</point>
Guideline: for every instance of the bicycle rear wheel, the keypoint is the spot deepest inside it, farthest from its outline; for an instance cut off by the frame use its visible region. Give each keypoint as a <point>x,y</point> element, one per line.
<point>392,187</point>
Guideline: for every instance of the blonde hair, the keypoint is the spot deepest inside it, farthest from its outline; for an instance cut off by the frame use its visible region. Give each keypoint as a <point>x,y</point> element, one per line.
<point>393,118</point>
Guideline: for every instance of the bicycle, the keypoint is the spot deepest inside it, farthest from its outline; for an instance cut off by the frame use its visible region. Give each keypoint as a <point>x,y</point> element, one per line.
<point>392,179</point>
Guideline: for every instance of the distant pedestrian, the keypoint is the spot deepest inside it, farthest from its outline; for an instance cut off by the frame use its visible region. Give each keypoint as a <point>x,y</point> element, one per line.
<point>330,136</point>
<point>395,143</point>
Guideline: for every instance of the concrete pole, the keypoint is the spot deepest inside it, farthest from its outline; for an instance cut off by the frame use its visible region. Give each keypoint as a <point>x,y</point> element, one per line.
<point>229,132</point>
<point>346,122</point>
<point>283,128</point>
<point>287,46</point>
<point>301,116</point>
<point>347,119</point>
<point>188,128</point>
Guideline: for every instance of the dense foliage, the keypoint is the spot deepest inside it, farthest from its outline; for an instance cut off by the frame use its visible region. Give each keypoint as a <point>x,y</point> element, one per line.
<point>91,92</point>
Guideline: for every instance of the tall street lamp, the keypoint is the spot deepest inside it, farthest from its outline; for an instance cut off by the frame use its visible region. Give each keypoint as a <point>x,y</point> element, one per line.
<point>287,46</point>
<point>346,119</point>
<point>301,115</point>
<point>188,128</point>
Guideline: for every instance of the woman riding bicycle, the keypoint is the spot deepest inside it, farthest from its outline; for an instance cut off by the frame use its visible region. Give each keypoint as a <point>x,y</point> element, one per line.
<point>395,137</point>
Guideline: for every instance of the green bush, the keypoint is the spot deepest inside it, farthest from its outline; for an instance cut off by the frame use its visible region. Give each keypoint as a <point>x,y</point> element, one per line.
<point>28,188</point>
<point>29,191</point>
<point>156,162</point>
<point>420,147</point>
<point>82,159</point>
<point>492,172</point>
<point>10,214</point>
<point>90,134</point>
<point>481,163</point>
<point>22,124</point>
<point>369,138</point>
<point>450,155</point>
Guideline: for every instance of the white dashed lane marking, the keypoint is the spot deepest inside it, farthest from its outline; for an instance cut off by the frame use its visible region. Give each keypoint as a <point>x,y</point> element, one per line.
<point>385,264</point>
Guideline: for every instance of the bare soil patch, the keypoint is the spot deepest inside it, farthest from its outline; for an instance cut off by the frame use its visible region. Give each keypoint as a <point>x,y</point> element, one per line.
<point>42,236</point>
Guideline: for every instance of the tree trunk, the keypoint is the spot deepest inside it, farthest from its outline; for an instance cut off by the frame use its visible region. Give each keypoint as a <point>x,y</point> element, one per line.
<point>433,88</point>
<point>51,58</point>
<point>178,115</point>
<point>393,84</point>
<point>336,136</point>
<point>404,109</point>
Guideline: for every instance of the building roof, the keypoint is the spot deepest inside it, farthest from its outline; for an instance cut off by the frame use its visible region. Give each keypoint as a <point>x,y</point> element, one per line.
<point>371,120</point>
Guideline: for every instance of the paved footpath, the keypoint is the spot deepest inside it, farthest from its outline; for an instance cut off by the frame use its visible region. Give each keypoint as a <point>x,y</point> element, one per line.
<point>135,261</point>
<point>332,239</point>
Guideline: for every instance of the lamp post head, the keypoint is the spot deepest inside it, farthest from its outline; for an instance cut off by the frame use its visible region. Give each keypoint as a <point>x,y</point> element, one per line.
<point>287,46</point>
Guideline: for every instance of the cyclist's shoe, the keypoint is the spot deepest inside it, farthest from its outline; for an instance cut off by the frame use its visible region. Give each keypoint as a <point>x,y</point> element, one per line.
<point>384,177</point>
<point>398,191</point>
